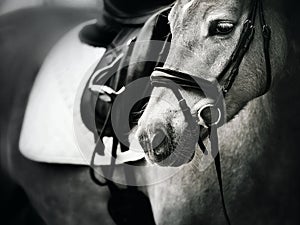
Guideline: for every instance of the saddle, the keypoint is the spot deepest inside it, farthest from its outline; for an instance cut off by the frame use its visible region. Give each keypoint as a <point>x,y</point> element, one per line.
<point>121,64</point>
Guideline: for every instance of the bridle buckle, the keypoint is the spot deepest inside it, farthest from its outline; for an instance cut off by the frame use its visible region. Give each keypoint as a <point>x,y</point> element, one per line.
<point>215,121</point>
<point>266,31</point>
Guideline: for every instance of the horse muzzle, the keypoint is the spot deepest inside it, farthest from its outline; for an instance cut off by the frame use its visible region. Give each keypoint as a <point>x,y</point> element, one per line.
<point>157,145</point>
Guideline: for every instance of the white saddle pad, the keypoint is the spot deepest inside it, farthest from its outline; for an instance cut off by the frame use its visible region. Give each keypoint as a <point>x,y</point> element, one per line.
<point>52,111</point>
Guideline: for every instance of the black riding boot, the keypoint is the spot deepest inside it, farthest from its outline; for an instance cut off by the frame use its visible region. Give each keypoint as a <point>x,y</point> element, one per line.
<point>117,14</point>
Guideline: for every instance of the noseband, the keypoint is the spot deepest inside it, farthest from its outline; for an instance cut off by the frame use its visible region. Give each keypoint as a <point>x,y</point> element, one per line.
<point>164,77</point>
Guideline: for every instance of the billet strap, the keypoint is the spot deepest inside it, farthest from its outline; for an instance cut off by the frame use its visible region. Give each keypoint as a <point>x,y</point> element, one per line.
<point>99,149</point>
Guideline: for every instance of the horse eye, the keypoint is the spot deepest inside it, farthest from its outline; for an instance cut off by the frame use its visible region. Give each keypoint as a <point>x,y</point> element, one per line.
<point>221,28</point>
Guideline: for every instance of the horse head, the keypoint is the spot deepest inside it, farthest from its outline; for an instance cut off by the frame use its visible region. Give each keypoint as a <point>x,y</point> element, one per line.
<point>205,35</point>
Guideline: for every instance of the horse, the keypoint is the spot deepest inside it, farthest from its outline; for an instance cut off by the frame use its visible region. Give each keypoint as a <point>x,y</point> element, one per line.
<point>258,168</point>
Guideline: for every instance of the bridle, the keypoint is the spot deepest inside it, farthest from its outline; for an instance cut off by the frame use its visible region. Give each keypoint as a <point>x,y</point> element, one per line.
<point>225,78</point>
<point>175,80</point>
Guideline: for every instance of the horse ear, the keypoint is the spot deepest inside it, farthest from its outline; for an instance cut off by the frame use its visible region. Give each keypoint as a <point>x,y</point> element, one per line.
<point>154,32</point>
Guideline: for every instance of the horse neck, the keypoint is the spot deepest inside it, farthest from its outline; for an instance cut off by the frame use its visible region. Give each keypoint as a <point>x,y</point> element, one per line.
<point>250,129</point>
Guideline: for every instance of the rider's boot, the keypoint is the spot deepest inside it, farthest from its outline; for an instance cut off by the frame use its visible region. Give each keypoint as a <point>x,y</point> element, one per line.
<point>117,14</point>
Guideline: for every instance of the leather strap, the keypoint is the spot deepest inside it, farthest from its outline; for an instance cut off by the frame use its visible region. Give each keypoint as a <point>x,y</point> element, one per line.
<point>213,136</point>
<point>266,32</point>
<point>238,54</point>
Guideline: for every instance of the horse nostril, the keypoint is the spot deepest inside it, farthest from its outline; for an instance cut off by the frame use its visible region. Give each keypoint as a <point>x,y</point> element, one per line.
<point>158,138</point>
<point>160,144</point>
<point>156,145</point>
